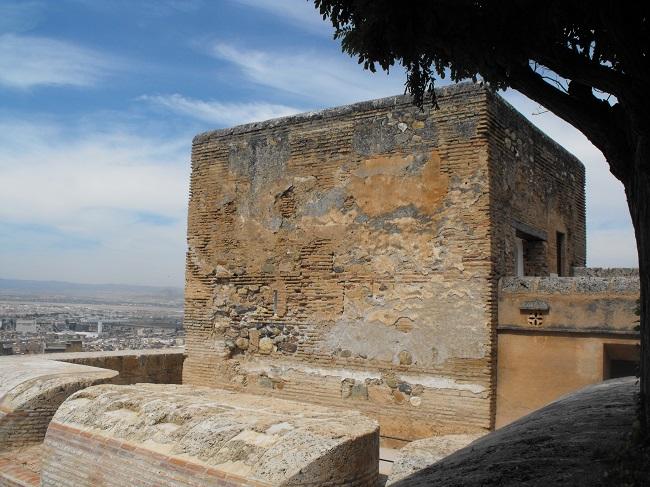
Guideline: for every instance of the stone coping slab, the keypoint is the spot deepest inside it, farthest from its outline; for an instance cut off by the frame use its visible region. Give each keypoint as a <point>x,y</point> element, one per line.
<point>183,435</point>
<point>19,371</point>
<point>114,353</point>
<point>31,390</point>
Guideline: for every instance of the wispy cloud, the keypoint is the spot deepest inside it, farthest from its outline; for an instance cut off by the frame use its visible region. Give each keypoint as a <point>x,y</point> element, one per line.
<point>92,205</point>
<point>27,62</point>
<point>311,75</point>
<point>220,113</point>
<point>144,8</point>
<point>301,14</point>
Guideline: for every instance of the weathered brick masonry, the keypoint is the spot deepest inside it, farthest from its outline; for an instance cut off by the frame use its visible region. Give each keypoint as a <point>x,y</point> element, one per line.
<point>350,257</point>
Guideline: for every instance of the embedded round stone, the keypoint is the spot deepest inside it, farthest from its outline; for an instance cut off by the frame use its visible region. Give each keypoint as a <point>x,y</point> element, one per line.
<point>405,358</point>
<point>266,345</point>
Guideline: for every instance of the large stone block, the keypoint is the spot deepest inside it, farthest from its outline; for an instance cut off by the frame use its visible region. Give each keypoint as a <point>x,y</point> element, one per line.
<point>167,435</point>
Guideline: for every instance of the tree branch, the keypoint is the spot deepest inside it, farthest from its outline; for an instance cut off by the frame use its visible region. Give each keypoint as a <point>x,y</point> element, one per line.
<point>591,118</point>
<point>572,66</point>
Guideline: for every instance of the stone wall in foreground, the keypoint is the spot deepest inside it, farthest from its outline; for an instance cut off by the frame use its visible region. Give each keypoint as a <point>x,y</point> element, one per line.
<point>33,386</point>
<point>166,435</point>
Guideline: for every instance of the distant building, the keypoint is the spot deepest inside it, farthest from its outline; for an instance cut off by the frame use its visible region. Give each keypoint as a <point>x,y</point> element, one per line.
<point>6,348</point>
<point>26,326</point>
<point>7,324</point>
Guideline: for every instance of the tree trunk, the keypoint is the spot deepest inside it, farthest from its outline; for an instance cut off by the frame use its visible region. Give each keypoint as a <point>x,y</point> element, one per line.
<point>637,188</point>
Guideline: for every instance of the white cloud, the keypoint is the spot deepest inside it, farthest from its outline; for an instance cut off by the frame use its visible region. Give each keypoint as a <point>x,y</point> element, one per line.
<point>218,112</point>
<point>610,235</point>
<point>311,75</point>
<point>49,174</point>
<point>300,13</point>
<point>27,62</point>
<point>92,206</point>
<point>145,8</point>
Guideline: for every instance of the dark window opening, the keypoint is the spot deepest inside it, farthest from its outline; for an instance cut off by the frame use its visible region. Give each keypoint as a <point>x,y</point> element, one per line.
<point>620,360</point>
<point>530,250</point>
<point>622,368</point>
<point>559,252</point>
<point>533,259</point>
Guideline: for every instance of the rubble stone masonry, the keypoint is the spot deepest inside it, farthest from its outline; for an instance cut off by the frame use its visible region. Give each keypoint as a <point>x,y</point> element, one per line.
<point>350,257</point>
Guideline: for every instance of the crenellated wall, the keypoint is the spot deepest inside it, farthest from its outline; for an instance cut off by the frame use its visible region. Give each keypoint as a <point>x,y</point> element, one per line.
<point>349,257</point>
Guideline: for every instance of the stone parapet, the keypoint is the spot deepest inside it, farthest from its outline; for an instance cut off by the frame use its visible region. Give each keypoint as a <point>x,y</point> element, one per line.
<point>157,366</point>
<point>569,304</point>
<point>419,454</point>
<point>606,272</point>
<point>624,284</point>
<point>181,436</point>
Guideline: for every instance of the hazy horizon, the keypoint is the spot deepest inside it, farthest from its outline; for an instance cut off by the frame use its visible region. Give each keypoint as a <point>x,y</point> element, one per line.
<point>4,280</point>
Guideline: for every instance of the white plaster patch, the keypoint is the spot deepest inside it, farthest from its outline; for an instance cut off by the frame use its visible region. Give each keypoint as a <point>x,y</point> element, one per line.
<point>283,370</point>
<point>279,428</point>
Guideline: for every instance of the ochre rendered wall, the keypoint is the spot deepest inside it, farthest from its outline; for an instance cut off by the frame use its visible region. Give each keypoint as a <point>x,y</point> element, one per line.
<point>536,369</point>
<point>348,258</point>
<point>565,347</point>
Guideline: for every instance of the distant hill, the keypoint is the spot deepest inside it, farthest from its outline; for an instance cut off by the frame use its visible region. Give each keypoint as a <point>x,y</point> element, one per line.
<point>76,292</point>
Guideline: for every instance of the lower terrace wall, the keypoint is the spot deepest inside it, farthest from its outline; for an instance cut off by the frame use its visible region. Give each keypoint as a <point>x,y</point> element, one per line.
<point>33,386</point>
<point>558,334</point>
<point>155,366</point>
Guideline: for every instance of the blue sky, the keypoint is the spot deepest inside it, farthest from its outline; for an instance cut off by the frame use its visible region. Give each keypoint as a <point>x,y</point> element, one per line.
<point>99,101</point>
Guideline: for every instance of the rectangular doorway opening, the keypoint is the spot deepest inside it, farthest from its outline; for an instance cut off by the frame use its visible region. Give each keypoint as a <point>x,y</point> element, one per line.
<point>620,360</point>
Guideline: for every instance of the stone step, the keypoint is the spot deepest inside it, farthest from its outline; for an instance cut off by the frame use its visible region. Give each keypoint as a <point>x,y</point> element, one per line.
<point>385,467</point>
<point>388,454</point>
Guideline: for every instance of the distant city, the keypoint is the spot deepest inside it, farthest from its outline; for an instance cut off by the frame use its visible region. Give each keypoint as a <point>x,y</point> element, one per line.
<point>50,317</point>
